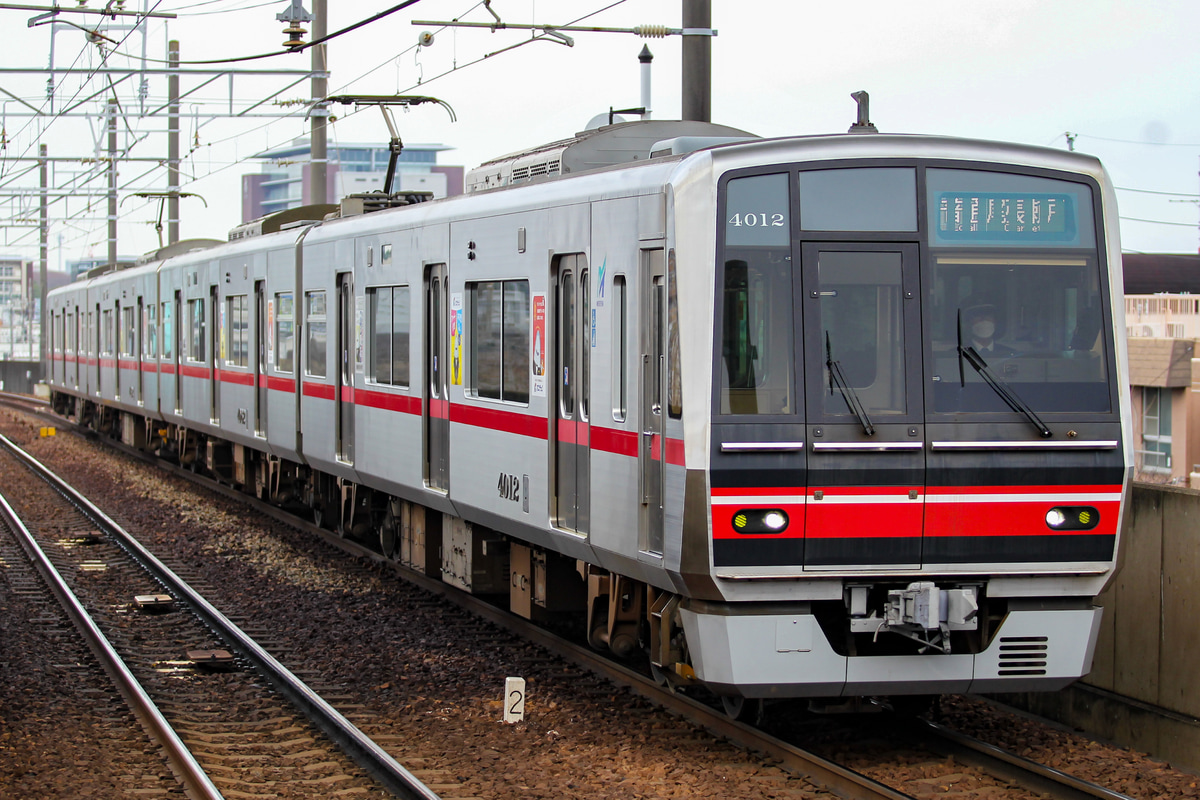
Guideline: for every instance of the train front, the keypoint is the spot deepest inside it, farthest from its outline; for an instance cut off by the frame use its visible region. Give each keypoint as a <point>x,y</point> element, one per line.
<point>918,441</point>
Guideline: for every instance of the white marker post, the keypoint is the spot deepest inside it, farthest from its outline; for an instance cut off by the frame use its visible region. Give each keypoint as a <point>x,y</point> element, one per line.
<point>514,700</point>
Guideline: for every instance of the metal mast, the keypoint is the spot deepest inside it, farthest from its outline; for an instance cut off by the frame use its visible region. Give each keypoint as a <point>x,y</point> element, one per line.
<point>697,60</point>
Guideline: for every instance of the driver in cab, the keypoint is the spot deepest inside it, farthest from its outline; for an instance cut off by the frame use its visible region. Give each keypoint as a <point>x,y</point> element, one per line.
<point>980,322</point>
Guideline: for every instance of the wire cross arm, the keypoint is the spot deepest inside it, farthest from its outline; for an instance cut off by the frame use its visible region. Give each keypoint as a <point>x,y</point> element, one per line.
<point>390,100</point>
<point>162,198</point>
<point>645,31</point>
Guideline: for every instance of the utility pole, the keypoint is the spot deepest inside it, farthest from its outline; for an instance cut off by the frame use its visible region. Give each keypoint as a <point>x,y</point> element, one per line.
<point>173,143</point>
<point>697,60</point>
<point>320,112</point>
<point>112,181</point>
<point>44,252</point>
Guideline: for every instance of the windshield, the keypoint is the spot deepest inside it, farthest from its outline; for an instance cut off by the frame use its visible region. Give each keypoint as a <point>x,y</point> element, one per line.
<point>756,339</point>
<point>1035,321</point>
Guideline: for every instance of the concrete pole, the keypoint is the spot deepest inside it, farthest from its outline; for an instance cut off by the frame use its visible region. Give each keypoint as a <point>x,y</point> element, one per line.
<point>44,252</point>
<point>697,60</point>
<point>173,144</point>
<point>320,88</point>
<point>112,181</point>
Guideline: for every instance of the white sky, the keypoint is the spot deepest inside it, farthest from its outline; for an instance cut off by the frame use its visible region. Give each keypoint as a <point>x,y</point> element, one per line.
<point>1121,74</point>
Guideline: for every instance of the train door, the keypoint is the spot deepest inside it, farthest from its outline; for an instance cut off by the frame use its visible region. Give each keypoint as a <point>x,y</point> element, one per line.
<point>572,352</point>
<point>260,362</point>
<point>652,447</point>
<point>344,399</point>
<point>865,504</point>
<point>138,348</point>
<point>214,353</point>
<point>437,406</point>
<point>94,352</point>
<point>114,334</point>
<point>77,344</point>
<point>177,349</point>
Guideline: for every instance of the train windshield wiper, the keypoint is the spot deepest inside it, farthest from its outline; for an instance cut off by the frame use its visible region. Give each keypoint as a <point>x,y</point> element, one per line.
<point>836,378</point>
<point>1006,392</point>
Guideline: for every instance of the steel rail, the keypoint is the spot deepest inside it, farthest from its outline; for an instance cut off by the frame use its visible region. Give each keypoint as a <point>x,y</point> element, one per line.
<point>837,779</point>
<point>1009,766</point>
<point>189,772</point>
<point>830,776</point>
<point>360,747</point>
<point>840,780</point>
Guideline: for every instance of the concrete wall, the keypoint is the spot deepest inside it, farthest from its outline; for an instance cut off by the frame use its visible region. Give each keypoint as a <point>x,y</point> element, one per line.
<point>1149,647</point>
<point>19,376</point>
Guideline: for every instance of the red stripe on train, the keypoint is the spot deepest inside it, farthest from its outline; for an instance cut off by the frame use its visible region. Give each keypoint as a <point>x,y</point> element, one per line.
<point>495,419</point>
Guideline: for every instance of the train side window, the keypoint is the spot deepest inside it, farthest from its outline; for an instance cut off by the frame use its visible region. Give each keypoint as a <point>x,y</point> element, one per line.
<point>237,318</point>
<point>620,344</point>
<point>389,334</point>
<point>150,343</point>
<point>285,331</point>
<point>128,331</point>
<point>107,334</point>
<point>196,325</point>
<point>499,340</point>
<point>168,341</point>
<point>315,323</point>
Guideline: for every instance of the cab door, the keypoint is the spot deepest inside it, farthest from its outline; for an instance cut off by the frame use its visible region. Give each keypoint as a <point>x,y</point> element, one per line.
<point>865,499</point>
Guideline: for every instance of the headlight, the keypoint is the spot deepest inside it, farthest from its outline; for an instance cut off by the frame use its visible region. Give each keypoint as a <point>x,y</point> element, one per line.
<point>1072,518</point>
<point>760,520</point>
<point>775,520</point>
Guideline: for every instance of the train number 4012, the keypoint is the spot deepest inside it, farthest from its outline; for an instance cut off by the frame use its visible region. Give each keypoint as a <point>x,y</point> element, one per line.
<point>509,487</point>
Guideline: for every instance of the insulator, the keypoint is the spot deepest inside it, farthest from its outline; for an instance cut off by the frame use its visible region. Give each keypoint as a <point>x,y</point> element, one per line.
<point>651,31</point>
<point>295,35</point>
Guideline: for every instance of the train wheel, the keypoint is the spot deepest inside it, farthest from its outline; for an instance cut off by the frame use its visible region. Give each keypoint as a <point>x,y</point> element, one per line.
<point>389,530</point>
<point>662,677</point>
<point>743,710</point>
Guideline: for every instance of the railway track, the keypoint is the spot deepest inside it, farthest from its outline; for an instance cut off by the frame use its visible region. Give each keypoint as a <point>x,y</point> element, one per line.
<point>825,773</point>
<point>226,731</point>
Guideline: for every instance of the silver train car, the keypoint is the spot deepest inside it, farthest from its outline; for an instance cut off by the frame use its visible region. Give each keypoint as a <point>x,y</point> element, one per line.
<point>829,417</point>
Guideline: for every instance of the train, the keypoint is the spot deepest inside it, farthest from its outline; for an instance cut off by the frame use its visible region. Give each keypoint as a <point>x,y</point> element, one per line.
<point>829,416</point>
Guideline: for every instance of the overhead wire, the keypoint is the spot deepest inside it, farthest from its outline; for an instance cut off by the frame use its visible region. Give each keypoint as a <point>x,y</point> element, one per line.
<point>82,84</point>
<point>1162,222</point>
<point>391,59</point>
<point>1151,191</point>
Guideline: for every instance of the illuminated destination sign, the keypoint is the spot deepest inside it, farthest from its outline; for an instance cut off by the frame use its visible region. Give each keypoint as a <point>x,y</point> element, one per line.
<point>1005,216</point>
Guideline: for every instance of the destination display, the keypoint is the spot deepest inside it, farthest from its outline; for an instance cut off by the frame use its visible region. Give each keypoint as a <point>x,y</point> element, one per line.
<point>1006,216</point>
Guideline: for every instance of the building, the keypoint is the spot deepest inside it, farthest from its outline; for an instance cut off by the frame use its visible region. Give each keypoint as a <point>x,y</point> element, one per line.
<point>286,177</point>
<point>14,275</point>
<point>1162,322</point>
<point>77,267</point>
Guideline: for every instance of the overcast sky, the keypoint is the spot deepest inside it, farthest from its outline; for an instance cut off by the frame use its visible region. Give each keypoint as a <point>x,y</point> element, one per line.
<point>1120,75</point>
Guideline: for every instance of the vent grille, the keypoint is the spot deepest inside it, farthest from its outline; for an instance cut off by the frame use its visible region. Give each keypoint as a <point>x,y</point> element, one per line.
<point>1023,655</point>
<point>531,171</point>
